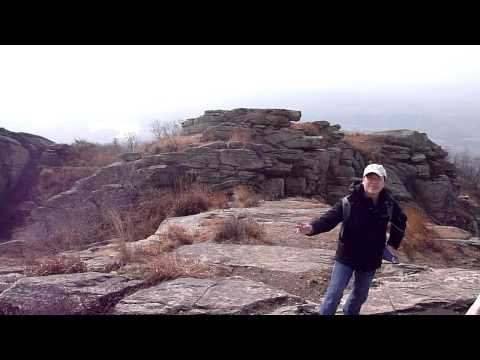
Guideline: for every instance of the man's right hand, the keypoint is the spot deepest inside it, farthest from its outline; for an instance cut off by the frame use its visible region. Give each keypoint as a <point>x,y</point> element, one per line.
<point>304,228</point>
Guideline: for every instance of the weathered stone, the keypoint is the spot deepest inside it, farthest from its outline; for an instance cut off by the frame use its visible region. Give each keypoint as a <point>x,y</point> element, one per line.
<point>306,143</point>
<point>13,246</point>
<point>132,156</point>
<point>295,186</point>
<point>50,158</point>
<point>280,137</point>
<point>400,157</point>
<point>273,258</point>
<point>85,293</point>
<point>206,296</point>
<point>418,158</point>
<point>426,289</point>
<point>436,194</point>
<point>449,232</point>
<point>244,159</point>
<point>274,188</point>
<point>395,185</point>
<point>276,118</point>
<point>7,280</point>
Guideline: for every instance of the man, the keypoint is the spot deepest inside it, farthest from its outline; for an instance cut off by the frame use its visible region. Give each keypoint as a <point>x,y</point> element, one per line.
<point>361,244</point>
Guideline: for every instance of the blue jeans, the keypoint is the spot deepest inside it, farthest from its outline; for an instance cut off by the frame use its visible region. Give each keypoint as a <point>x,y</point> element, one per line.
<point>341,275</point>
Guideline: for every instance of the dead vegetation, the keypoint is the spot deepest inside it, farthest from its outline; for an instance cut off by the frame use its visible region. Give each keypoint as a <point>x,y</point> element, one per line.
<point>308,128</point>
<point>170,266</point>
<point>55,265</point>
<point>168,144</point>
<point>245,197</point>
<point>83,153</point>
<point>52,181</point>
<point>238,230</point>
<point>367,145</point>
<point>419,240</point>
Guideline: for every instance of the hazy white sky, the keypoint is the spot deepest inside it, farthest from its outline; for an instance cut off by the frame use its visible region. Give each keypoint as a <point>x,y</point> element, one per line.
<point>68,92</point>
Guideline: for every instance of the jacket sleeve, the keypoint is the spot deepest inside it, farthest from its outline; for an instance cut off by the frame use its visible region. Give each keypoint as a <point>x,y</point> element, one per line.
<point>398,226</point>
<point>328,220</point>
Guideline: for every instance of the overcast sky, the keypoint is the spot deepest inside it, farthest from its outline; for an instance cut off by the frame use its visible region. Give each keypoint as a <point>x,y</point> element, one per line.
<point>98,92</point>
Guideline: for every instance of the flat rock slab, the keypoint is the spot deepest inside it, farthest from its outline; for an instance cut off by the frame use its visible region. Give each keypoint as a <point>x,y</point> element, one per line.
<point>97,258</point>
<point>7,280</point>
<point>449,232</point>
<point>191,296</point>
<point>277,217</point>
<point>449,288</point>
<point>409,289</point>
<point>412,289</point>
<point>273,258</point>
<point>84,293</point>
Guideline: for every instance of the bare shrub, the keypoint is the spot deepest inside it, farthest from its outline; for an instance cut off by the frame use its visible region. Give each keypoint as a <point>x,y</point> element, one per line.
<point>240,231</point>
<point>165,129</point>
<point>244,197</point>
<point>56,265</point>
<point>131,141</point>
<point>168,138</point>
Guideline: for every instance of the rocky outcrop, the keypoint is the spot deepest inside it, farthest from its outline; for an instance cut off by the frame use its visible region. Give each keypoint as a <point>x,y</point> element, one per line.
<point>20,154</point>
<point>418,171</point>
<point>270,151</point>
<point>72,294</point>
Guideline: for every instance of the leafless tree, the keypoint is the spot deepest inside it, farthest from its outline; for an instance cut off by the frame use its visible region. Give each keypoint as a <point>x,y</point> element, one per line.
<point>131,140</point>
<point>165,129</point>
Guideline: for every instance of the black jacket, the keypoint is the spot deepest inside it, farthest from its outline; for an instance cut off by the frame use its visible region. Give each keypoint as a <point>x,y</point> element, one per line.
<point>364,235</point>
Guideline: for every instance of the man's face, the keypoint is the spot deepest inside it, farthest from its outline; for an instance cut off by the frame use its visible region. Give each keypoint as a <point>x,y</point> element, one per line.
<point>373,184</point>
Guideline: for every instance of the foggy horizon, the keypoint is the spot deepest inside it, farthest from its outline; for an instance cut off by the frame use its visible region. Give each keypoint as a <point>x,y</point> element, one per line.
<point>97,93</point>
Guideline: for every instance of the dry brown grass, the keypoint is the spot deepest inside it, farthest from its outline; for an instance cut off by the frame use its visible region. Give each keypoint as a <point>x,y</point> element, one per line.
<point>87,154</point>
<point>245,197</point>
<point>418,239</point>
<point>308,128</point>
<point>170,266</point>
<point>55,265</point>
<point>175,143</point>
<point>194,198</point>
<point>241,231</point>
<point>191,202</point>
<point>124,231</point>
<point>52,181</point>
<point>367,145</point>
<point>174,237</point>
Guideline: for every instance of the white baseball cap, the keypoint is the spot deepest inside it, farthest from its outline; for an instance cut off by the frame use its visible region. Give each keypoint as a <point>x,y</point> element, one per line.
<point>376,169</point>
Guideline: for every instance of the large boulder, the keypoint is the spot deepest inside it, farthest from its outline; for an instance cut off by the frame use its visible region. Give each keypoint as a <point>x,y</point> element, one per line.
<point>71,294</point>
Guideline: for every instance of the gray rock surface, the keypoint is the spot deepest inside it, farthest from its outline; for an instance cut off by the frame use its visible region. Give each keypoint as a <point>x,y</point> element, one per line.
<point>188,296</point>
<point>72,294</point>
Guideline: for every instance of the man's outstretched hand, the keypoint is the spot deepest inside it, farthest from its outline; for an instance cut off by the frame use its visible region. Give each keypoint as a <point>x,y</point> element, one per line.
<point>304,228</point>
